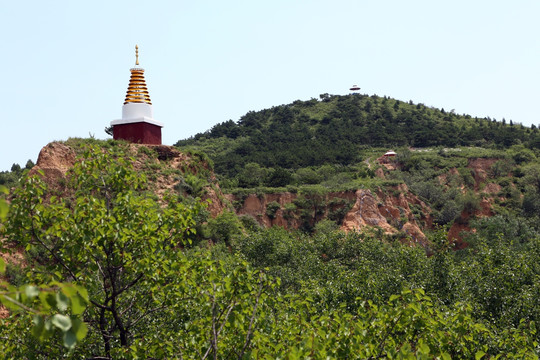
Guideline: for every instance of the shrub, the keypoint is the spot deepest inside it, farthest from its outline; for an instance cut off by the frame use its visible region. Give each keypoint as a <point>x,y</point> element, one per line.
<point>338,209</point>
<point>468,178</point>
<point>449,212</point>
<point>147,151</point>
<point>289,210</point>
<point>531,204</point>
<point>224,227</point>
<point>471,203</point>
<point>504,182</point>
<point>523,156</point>
<point>326,226</point>
<point>272,208</point>
<point>249,223</point>
<point>501,168</point>
<point>15,274</point>
<point>191,185</point>
<point>307,176</point>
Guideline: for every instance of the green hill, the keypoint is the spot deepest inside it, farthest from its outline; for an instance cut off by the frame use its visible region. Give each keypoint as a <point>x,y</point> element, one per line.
<point>319,149</point>
<point>337,129</point>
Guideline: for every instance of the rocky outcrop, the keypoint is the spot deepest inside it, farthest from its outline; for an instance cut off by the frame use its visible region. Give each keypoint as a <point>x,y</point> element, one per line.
<point>366,212</point>
<point>55,156</point>
<point>390,212</point>
<point>389,162</point>
<point>53,162</point>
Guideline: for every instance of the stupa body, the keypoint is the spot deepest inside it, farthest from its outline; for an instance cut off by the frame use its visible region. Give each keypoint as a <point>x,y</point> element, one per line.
<point>137,124</point>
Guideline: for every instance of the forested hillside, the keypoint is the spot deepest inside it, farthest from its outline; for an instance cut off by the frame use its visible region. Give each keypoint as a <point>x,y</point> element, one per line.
<point>450,168</point>
<point>335,130</point>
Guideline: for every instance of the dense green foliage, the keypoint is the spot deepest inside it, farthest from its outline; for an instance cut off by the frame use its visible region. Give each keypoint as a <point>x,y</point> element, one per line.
<point>497,275</point>
<point>255,293</point>
<point>48,304</point>
<point>105,237</point>
<point>336,129</point>
<point>339,296</point>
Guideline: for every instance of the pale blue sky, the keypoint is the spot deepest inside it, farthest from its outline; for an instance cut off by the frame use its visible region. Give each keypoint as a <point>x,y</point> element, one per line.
<point>65,64</point>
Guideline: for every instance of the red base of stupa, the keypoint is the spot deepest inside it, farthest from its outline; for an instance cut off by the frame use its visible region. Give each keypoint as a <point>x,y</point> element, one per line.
<point>139,132</point>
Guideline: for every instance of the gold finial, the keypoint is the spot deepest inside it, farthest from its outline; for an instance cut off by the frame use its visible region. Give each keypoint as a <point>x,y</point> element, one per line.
<point>136,54</point>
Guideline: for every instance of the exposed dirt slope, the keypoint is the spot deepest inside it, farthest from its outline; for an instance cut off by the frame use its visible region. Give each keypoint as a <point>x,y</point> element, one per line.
<point>394,210</point>
<point>255,206</point>
<point>165,166</point>
<point>387,209</point>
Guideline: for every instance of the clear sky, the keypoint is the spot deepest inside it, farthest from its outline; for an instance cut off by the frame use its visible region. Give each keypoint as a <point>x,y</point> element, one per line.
<point>65,64</point>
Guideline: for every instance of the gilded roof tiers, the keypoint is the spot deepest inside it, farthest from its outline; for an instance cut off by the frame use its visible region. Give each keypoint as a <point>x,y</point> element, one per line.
<point>137,91</point>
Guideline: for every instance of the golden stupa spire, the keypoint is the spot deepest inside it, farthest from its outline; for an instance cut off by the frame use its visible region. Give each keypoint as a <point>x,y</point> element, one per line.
<point>137,91</point>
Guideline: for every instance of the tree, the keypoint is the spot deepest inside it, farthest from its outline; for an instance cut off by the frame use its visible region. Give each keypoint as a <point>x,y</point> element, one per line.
<point>532,176</point>
<point>252,175</point>
<point>449,212</point>
<point>48,304</point>
<point>108,237</point>
<point>278,177</point>
<point>29,164</point>
<point>4,207</point>
<point>224,227</point>
<point>501,168</point>
<point>307,176</point>
<point>146,298</point>
<point>272,209</point>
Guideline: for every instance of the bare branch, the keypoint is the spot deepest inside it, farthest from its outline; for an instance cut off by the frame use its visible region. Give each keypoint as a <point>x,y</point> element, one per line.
<point>148,312</point>
<point>42,243</point>
<point>250,328</point>
<point>133,282</point>
<point>213,343</point>
<point>19,304</point>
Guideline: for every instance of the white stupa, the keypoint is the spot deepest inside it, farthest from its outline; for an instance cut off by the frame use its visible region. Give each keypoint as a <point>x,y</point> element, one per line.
<point>137,123</point>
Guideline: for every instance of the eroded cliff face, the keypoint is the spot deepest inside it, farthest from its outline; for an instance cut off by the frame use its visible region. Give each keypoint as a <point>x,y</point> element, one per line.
<point>256,206</point>
<point>394,210</point>
<point>54,161</point>
<point>387,209</point>
<point>366,212</point>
